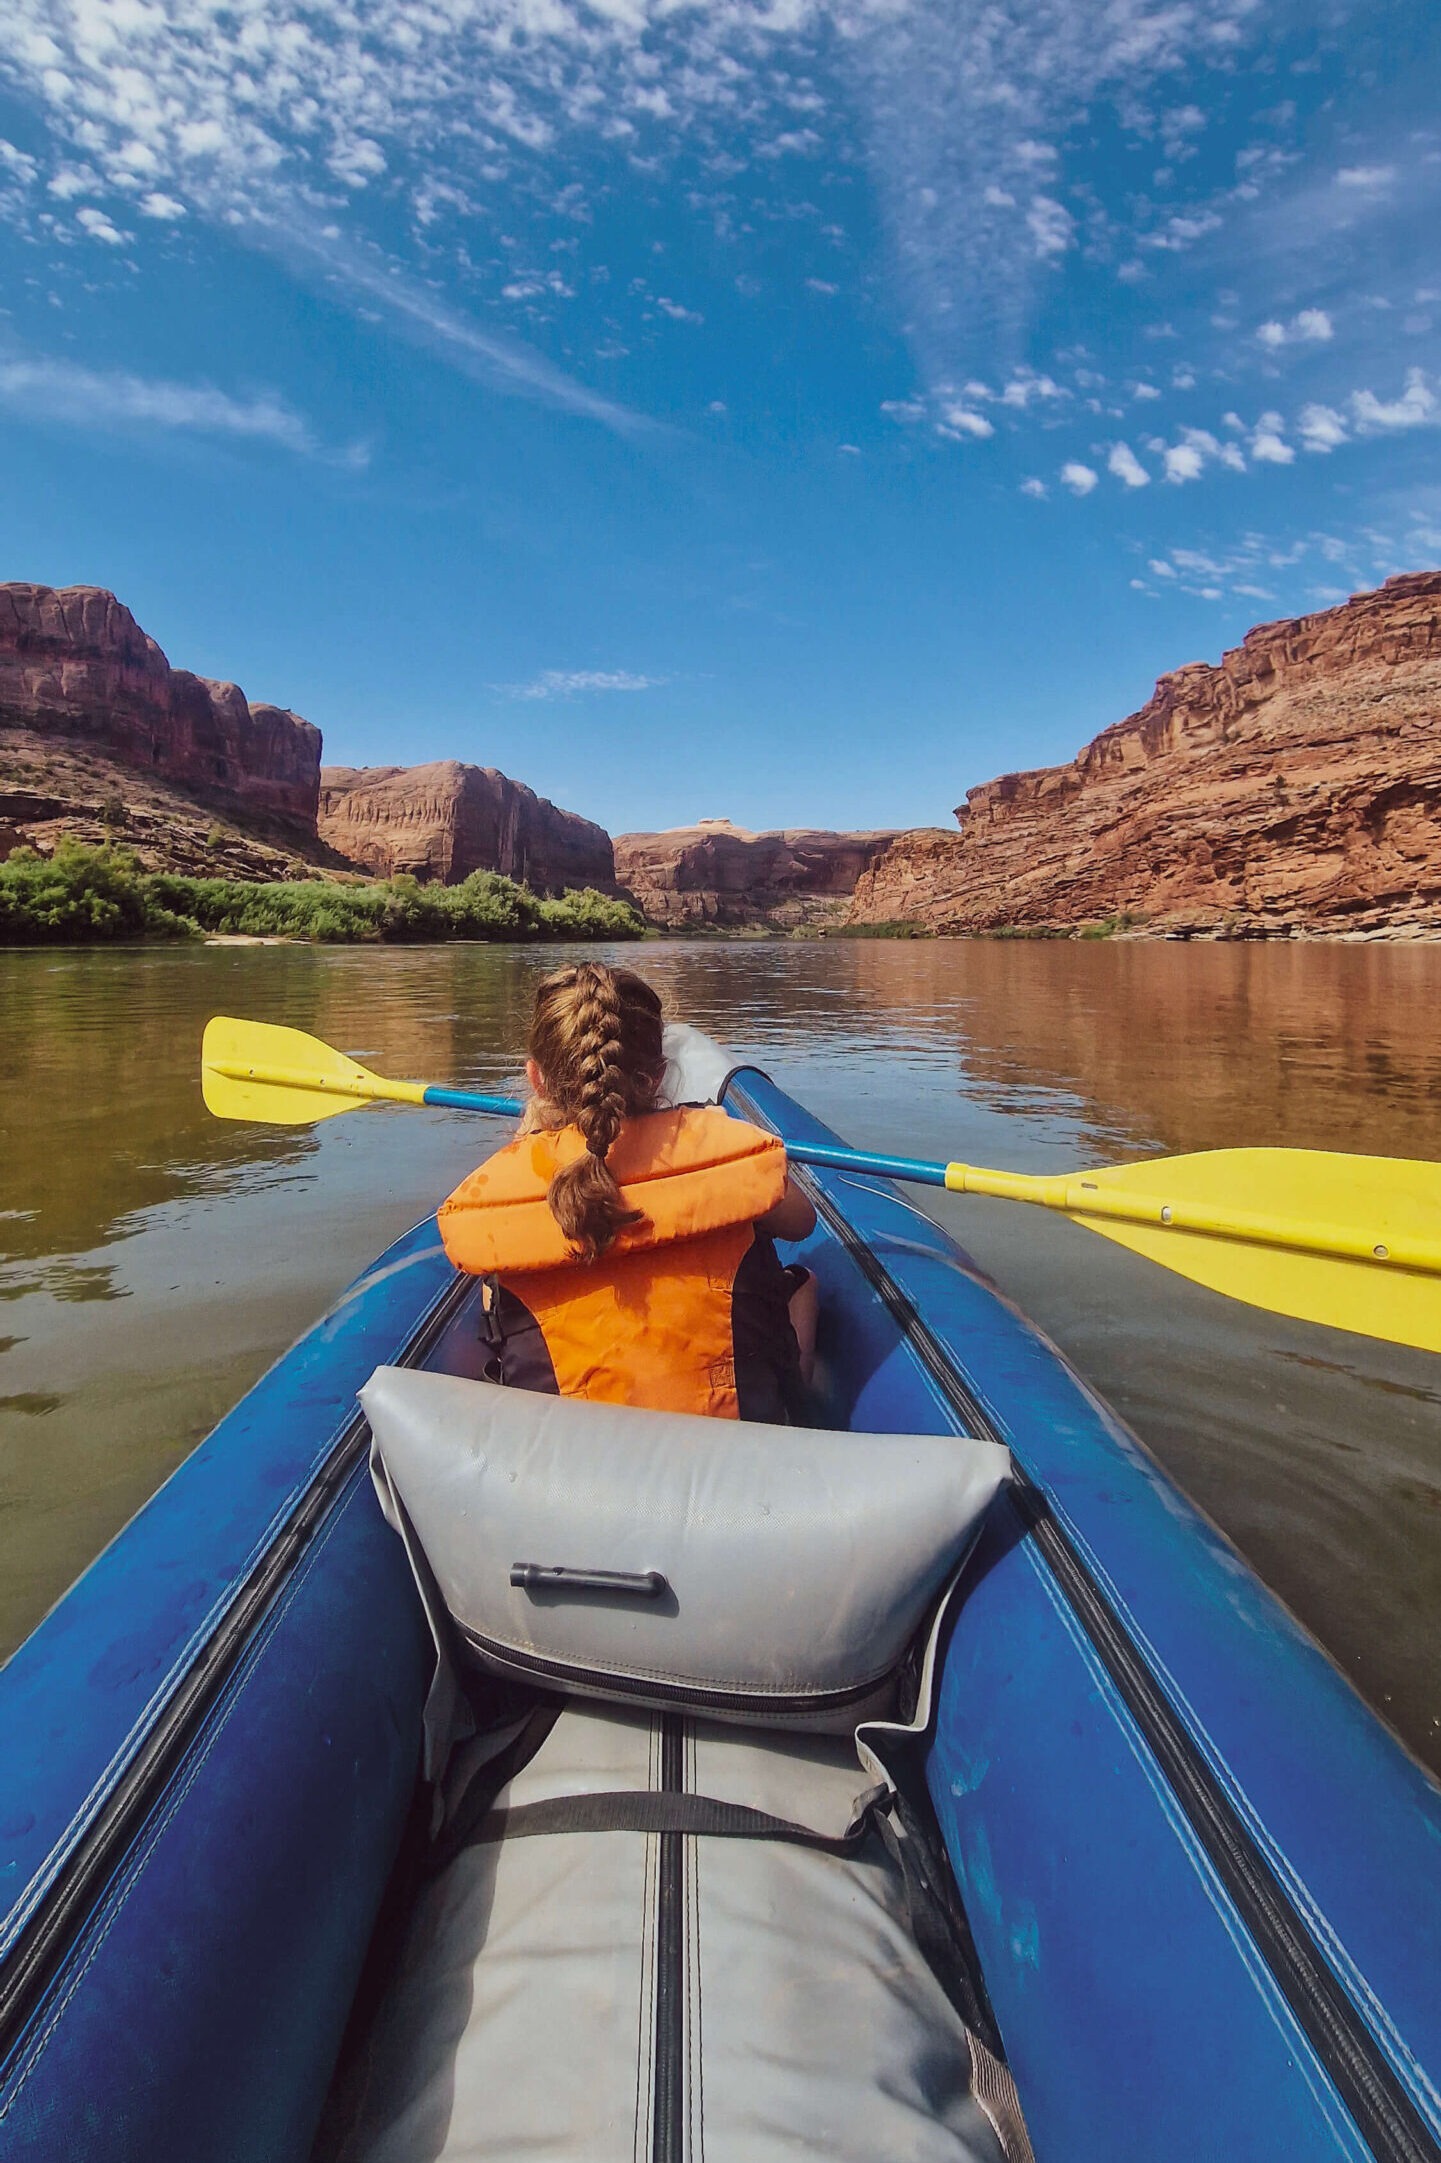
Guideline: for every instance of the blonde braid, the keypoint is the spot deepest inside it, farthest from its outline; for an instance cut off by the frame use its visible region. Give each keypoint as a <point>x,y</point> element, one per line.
<point>594,1080</point>
<point>598,1060</point>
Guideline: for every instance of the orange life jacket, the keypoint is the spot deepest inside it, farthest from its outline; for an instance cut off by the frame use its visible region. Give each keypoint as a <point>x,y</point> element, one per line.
<point>650,1323</point>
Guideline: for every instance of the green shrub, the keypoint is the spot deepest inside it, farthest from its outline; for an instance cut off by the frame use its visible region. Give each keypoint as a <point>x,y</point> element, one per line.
<point>83,893</point>
<point>1109,926</point>
<point>79,893</point>
<point>901,928</point>
<point>586,913</point>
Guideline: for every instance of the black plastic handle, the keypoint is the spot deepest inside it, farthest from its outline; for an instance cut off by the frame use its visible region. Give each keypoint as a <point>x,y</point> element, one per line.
<point>559,1577</point>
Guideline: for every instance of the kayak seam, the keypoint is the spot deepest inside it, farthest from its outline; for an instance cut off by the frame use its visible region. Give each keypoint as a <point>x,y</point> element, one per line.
<point>667,2124</point>
<point>39,1950</point>
<point>663,1691</point>
<point>1390,2119</point>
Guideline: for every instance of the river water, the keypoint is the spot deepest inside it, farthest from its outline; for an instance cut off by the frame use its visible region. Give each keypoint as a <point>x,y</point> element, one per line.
<point>153,1261</point>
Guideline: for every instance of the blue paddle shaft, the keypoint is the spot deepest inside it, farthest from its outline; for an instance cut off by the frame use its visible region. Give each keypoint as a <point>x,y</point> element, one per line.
<point>839,1160</point>
<point>466,1100</point>
<point>914,1169</point>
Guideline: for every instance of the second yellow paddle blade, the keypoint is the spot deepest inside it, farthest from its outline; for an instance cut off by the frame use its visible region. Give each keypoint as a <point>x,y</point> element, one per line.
<point>1390,1202</point>
<point>239,1058</point>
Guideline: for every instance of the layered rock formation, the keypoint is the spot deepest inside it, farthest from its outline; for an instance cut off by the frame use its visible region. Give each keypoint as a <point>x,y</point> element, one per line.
<point>445,820</point>
<point>717,874</point>
<point>77,670</point>
<point>1295,787</point>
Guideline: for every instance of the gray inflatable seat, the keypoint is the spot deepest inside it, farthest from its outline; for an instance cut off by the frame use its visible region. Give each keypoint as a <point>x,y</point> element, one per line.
<point>774,1575</point>
<point>554,1995</point>
<point>615,1960</point>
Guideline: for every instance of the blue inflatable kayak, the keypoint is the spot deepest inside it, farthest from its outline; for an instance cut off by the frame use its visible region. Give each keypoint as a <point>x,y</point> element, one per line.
<point>1192,1886</point>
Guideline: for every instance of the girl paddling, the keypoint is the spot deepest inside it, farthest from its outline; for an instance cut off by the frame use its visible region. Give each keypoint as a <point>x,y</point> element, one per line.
<point>628,1244</point>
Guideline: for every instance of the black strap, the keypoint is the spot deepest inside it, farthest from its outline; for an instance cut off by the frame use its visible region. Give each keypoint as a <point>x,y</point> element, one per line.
<point>471,1811</point>
<point>648,1810</point>
<point>490,1329</point>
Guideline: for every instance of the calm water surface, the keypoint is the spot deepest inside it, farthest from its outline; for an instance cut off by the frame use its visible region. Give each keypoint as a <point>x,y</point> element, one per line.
<point>153,1261</point>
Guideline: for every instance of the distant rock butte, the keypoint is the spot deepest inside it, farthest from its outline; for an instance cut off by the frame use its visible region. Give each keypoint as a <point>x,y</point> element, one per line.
<point>1295,787</point>
<point>717,873</point>
<point>77,670</point>
<point>445,820</point>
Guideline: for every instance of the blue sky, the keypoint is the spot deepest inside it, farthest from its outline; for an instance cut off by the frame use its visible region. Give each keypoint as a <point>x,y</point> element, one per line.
<point>789,410</point>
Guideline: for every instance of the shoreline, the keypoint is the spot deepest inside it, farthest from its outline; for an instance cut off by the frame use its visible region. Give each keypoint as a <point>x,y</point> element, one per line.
<point>753,935</point>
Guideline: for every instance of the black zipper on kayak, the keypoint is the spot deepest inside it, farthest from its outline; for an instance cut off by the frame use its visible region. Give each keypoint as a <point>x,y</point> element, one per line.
<point>1385,2112</point>
<point>667,2137</point>
<point>654,1690</point>
<point>42,1943</point>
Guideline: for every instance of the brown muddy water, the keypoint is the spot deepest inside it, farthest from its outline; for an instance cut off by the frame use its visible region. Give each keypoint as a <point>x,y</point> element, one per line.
<point>154,1261</point>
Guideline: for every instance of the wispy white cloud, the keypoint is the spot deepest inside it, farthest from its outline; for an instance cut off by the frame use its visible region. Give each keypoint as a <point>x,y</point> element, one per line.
<point>959,421</point>
<point>969,115</point>
<point>1415,408</point>
<point>18,175</point>
<point>1080,479</point>
<point>1321,428</point>
<point>571,683</point>
<point>1367,179</point>
<point>89,398</point>
<point>1027,387</point>
<point>1312,567</point>
<point>421,314</point>
<point>1268,445</point>
<point>1197,448</point>
<point>99,227</point>
<point>1182,230</point>
<point>1313,326</point>
<point>1127,467</point>
<point>1051,226</point>
<point>1183,462</point>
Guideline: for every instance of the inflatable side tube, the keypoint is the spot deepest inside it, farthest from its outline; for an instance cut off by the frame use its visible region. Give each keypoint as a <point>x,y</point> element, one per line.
<point>207,1752</point>
<point>1201,1875</point>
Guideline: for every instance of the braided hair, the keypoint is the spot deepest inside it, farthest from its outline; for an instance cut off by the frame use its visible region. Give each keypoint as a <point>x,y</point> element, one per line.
<point>596,1037</point>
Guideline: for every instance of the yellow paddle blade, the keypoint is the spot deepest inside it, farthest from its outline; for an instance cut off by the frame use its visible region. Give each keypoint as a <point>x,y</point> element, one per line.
<point>257,1070</point>
<point>1352,1242</point>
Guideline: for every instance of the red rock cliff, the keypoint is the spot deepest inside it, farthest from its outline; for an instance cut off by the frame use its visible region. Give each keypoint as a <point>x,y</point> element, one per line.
<point>445,820</point>
<point>716,873</point>
<point>76,667</point>
<point>1296,786</point>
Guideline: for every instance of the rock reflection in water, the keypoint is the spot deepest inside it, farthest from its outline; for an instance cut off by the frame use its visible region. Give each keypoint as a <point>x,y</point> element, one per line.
<point>153,1260</point>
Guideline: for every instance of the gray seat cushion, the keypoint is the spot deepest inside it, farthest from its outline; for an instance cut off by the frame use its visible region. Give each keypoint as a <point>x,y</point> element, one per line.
<point>796,1566</point>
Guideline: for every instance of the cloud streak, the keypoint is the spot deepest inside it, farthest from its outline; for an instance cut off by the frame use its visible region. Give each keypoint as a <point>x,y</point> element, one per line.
<point>426,319</point>
<point>90,398</point>
<point>577,682</point>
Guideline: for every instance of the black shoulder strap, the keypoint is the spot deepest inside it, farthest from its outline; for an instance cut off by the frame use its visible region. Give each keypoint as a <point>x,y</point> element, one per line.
<point>648,1810</point>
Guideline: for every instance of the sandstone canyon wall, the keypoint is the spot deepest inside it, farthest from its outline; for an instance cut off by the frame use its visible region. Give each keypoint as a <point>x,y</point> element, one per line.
<point>75,665</point>
<point>717,874</point>
<point>1295,787</point>
<point>101,738</point>
<point>445,820</point>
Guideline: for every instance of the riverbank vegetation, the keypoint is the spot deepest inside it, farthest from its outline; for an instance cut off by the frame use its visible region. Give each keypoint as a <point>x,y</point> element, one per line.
<point>83,894</point>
